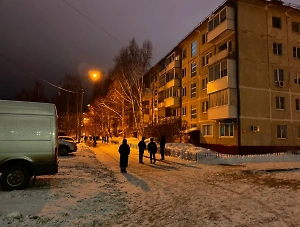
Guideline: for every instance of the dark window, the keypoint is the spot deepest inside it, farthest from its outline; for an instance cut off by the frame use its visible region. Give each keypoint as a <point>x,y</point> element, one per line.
<point>276,22</point>
<point>280,103</point>
<point>183,72</point>
<point>281,131</point>
<point>184,54</point>
<point>296,52</point>
<point>204,84</point>
<point>277,48</point>
<point>295,27</point>
<point>297,104</point>
<point>204,38</point>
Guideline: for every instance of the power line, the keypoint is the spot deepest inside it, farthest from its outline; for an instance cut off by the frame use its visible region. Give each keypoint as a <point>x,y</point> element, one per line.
<point>93,22</point>
<point>31,73</point>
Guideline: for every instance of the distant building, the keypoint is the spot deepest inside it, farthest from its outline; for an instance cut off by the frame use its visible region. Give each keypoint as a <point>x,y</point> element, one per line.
<point>235,79</point>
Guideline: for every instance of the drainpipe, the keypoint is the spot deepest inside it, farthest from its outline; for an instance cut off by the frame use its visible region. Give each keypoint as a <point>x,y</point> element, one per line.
<point>237,78</point>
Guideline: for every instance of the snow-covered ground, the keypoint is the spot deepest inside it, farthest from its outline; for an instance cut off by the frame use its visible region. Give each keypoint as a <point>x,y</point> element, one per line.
<point>89,190</point>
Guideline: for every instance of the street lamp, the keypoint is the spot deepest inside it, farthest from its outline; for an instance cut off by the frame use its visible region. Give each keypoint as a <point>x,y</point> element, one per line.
<point>94,75</point>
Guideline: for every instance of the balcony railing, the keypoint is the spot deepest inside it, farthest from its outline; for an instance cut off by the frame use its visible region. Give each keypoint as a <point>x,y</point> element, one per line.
<point>172,102</point>
<point>222,112</point>
<point>173,64</point>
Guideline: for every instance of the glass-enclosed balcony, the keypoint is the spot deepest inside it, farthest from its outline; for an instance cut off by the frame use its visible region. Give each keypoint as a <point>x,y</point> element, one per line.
<point>222,76</point>
<point>221,24</point>
<point>222,104</point>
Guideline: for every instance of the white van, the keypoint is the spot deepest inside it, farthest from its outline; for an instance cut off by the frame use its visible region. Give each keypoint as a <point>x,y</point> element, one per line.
<point>28,142</point>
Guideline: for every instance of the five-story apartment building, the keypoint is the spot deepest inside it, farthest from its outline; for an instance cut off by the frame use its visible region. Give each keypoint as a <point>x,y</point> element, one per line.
<point>235,79</point>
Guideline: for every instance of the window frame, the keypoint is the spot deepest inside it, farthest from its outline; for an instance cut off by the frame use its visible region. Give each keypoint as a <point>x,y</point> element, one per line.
<point>280,103</point>
<point>193,90</point>
<point>194,48</point>
<point>281,131</point>
<point>193,111</point>
<point>184,92</point>
<point>184,111</point>
<point>274,22</point>
<point>183,72</point>
<point>193,69</point>
<point>184,53</point>
<point>296,52</point>
<point>204,83</point>
<point>230,130</point>
<point>205,130</point>
<point>205,106</point>
<point>277,49</point>
<point>297,26</point>
<point>297,104</point>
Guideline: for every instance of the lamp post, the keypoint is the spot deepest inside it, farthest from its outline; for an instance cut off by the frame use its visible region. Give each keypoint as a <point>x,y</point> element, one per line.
<point>80,114</point>
<point>95,76</point>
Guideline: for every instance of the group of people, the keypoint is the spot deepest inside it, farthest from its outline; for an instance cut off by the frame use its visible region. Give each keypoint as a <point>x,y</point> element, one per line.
<point>124,151</point>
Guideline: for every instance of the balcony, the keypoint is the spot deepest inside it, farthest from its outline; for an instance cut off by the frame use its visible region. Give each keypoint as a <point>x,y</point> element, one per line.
<point>225,27</point>
<point>222,112</point>
<point>219,56</point>
<point>161,105</point>
<point>172,83</point>
<point>172,102</point>
<point>225,82</point>
<point>162,72</point>
<point>173,64</point>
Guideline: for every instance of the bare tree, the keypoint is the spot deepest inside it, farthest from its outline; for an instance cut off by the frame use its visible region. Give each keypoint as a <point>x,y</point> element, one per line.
<point>131,64</point>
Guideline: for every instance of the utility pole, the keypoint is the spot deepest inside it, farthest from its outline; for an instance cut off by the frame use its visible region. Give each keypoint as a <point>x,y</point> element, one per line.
<point>80,114</point>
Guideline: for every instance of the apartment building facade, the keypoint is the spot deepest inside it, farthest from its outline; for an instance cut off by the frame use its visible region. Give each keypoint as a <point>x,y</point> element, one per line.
<point>235,79</point>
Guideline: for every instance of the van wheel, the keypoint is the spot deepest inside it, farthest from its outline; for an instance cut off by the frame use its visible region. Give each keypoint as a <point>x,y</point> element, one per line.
<point>15,178</point>
<point>63,151</point>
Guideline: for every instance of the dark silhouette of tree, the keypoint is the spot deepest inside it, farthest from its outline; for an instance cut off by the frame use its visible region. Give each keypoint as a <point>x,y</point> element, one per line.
<point>37,94</point>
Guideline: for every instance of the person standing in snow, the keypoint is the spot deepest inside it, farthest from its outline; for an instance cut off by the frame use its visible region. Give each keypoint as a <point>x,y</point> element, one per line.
<point>152,149</point>
<point>162,144</point>
<point>124,151</point>
<point>142,147</point>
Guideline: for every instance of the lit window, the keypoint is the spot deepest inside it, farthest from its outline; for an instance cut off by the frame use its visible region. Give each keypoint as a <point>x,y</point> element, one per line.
<point>281,131</point>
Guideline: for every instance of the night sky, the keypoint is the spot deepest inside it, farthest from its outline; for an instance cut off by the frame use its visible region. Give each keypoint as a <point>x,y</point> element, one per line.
<point>50,38</point>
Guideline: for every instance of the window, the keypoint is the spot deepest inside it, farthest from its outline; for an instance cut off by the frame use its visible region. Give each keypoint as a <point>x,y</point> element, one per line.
<point>204,107</point>
<point>218,71</point>
<point>207,130</point>
<point>193,126</point>
<point>184,54</point>
<point>278,77</point>
<point>297,78</point>
<point>194,48</point>
<point>184,111</point>
<point>193,90</point>
<point>205,59</point>
<point>226,129</point>
<point>280,103</point>
<point>183,91</point>
<point>219,98</point>
<point>204,38</point>
<point>296,27</point>
<point>193,69</point>
<point>217,19</point>
<point>193,111</point>
<point>296,52</point>
<point>183,72</point>
<point>204,84</point>
<point>298,104</point>
<point>227,45</point>
<point>298,132</point>
<point>276,22</point>
<point>277,48</point>
<point>281,131</point>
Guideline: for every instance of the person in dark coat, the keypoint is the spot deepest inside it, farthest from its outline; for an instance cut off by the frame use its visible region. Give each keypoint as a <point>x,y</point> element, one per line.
<point>162,144</point>
<point>152,149</point>
<point>124,151</point>
<point>142,148</point>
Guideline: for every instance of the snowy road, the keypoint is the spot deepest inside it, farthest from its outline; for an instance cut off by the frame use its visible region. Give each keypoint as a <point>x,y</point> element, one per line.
<point>90,191</point>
